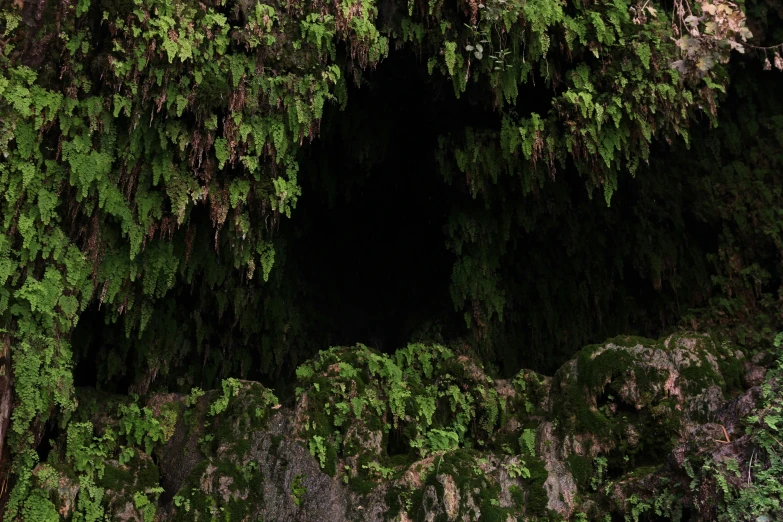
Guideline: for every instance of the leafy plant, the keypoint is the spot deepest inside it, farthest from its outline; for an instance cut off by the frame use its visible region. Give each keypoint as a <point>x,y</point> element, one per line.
<point>230,387</point>
<point>516,469</point>
<point>762,492</point>
<point>167,154</point>
<point>381,471</point>
<point>141,428</point>
<point>298,489</point>
<point>528,441</point>
<point>600,469</point>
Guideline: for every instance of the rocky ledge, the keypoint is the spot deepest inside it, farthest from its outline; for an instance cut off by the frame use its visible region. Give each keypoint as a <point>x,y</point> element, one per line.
<point>631,428</point>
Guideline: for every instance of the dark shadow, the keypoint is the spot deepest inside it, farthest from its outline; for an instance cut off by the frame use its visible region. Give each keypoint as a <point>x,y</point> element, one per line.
<point>368,236</point>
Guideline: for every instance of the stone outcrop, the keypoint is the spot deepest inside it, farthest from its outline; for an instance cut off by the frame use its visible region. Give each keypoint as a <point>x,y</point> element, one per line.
<point>427,435</point>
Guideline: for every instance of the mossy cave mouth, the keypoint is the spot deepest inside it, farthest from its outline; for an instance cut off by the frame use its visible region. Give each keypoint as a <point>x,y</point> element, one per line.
<point>390,260</point>
<point>368,255</point>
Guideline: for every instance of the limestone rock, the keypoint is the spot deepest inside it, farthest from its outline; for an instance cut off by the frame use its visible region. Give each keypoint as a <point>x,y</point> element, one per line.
<point>537,447</point>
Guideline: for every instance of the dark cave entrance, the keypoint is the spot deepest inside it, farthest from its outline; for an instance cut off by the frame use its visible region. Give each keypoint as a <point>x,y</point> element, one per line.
<point>367,240</point>
<point>364,259</point>
<point>365,248</point>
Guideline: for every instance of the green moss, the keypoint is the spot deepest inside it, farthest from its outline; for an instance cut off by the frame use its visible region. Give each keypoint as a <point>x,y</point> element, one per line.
<point>732,368</point>
<point>490,509</point>
<point>629,341</point>
<point>115,477</point>
<point>518,495</point>
<point>399,460</point>
<point>698,376</point>
<point>147,473</point>
<point>649,381</point>
<point>200,506</point>
<point>245,491</point>
<point>603,377</point>
<point>505,439</point>
<point>642,471</point>
<point>417,504</point>
<point>331,460</point>
<point>248,412</point>
<point>581,469</point>
<point>461,466</point>
<point>236,509</point>
<point>576,416</point>
<point>362,485</point>
<point>537,496</point>
<point>595,372</point>
<point>430,382</point>
<point>536,391</point>
<point>393,500</point>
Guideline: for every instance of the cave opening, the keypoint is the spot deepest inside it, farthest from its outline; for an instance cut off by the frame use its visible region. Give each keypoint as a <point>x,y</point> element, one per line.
<point>364,256</point>
<point>368,238</point>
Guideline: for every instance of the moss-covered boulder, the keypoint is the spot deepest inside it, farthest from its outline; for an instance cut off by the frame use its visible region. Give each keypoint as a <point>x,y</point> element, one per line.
<point>623,428</point>
<point>626,405</point>
<point>424,433</point>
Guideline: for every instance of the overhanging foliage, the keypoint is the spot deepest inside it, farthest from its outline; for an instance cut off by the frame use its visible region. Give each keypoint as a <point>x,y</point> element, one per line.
<point>151,148</point>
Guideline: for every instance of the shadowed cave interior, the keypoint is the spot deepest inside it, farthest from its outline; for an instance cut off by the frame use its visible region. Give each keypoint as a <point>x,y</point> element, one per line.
<point>368,239</point>
<point>366,247</point>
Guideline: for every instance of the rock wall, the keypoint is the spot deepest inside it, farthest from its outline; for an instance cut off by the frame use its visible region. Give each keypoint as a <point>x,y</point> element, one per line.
<point>426,434</point>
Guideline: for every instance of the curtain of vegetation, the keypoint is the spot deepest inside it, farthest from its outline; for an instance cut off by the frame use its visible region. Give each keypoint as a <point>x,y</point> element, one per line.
<point>152,148</point>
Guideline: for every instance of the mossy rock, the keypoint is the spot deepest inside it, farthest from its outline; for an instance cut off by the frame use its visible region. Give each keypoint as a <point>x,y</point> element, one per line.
<point>58,487</point>
<point>631,396</point>
<point>470,485</point>
<point>242,456</point>
<point>220,487</point>
<point>127,484</point>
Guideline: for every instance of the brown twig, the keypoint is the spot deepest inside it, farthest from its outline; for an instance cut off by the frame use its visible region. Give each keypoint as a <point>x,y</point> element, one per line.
<point>776,440</point>
<point>5,483</point>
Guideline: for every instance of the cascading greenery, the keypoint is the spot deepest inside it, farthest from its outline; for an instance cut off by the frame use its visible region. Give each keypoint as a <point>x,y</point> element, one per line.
<point>614,107</point>
<point>695,236</point>
<point>149,145</point>
<point>150,149</point>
